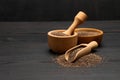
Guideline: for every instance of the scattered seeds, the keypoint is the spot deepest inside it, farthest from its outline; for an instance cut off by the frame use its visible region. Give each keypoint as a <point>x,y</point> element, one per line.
<point>89,60</point>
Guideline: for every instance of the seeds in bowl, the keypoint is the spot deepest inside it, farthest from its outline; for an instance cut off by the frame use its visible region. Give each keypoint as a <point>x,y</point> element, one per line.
<point>58,33</point>
<point>87,33</point>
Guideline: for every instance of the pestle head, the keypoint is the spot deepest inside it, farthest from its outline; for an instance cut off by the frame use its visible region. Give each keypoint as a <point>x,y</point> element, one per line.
<point>81,16</point>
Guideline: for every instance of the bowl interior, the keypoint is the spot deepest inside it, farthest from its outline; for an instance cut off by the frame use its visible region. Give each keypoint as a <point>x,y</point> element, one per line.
<point>54,32</point>
<point>88,32</point>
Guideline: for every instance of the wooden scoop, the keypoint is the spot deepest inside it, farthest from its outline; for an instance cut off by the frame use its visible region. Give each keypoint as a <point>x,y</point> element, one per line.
<point>84,51</point>
<point>79,19</point>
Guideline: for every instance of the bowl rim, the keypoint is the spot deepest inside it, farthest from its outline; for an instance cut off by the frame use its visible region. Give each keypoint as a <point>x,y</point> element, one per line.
<point>71,36</point>
<point>92,29</point>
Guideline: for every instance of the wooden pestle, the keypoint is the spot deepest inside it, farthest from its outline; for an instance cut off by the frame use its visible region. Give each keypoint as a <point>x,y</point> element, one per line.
<point>78,19</point>
<point>84,51</point>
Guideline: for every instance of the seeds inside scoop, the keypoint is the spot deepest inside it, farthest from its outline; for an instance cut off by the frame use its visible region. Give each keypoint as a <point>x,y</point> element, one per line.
<point>73,53</point>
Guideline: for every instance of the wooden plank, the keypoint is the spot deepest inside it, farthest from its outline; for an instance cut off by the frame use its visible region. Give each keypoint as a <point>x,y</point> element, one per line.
<point>24,54</point>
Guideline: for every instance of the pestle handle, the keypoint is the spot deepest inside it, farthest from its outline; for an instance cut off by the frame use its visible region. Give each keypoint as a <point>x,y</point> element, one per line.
<point>78,19</point>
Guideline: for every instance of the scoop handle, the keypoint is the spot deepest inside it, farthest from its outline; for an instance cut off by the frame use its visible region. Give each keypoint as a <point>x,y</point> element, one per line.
<point>78,19</point>
<point>92,44</point>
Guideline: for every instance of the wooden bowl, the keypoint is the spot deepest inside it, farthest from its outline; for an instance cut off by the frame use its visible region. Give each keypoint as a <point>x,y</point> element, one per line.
<point>60,44</point>
<point>86,35</point>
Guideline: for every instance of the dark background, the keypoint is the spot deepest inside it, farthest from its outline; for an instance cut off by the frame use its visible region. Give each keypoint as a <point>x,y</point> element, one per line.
<point>58,10</point>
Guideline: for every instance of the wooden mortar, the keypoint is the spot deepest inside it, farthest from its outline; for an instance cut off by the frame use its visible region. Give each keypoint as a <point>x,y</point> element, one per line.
<point>60,44</point>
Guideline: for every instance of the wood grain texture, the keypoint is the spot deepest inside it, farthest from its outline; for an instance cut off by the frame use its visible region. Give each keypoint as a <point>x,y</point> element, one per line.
<point>25,55</point>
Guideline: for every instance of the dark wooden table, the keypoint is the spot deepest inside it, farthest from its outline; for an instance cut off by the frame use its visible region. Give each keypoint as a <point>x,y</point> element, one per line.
<point>25,55</point>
